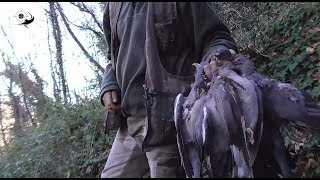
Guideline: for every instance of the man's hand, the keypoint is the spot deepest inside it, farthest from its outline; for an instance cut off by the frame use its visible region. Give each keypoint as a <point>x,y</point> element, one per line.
<point>111,101</point>
<point>221,55</point>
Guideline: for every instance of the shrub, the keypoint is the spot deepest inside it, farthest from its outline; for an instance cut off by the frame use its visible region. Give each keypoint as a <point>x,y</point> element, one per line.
<point>70,142</point>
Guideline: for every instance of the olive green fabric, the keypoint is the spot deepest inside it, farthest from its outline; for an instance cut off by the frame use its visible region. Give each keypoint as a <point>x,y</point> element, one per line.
<point>196,32</point>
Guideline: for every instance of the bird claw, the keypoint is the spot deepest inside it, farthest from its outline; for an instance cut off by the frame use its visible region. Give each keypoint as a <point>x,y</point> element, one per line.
<point>249,135</point>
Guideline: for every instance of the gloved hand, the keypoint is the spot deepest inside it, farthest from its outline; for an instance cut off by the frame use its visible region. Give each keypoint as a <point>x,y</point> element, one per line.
<point>221,54</point>
<point>224,54</point>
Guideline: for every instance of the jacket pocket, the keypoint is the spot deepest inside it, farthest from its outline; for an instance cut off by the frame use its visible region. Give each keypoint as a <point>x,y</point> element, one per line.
<point>161,128</point>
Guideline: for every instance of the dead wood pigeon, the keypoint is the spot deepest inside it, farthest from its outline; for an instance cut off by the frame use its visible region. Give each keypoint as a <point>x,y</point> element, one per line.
<point>213,126</point>
<point>225,129</point>
<point>191,127</point>
<point>251,104</point>
<point>283,101</point>
<point>283,104</point>
<point>189,116</point>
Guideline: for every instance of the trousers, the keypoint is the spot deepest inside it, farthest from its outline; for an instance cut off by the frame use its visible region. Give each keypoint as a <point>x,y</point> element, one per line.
<point>127,160</point>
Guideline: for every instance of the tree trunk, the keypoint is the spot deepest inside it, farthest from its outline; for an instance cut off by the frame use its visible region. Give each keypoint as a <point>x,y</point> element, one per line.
<point>16,112</point>
<point>14,102</point>
<point>3,135</point>
<point>58,39</point>
<point>24,97</point>
<point>56,91</point>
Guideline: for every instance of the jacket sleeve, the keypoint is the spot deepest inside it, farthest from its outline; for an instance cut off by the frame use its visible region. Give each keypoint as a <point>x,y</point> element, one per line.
<point>109,81</point>
<point>208,31</point>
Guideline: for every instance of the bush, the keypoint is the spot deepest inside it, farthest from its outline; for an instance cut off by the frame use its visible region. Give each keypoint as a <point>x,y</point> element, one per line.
<point>281,37</point>
<point>70,142</point>
<point>289,50</point>
<point>293,53</point>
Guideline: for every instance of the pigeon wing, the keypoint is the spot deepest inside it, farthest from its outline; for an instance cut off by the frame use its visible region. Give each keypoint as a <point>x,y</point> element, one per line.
<point>182,135</point>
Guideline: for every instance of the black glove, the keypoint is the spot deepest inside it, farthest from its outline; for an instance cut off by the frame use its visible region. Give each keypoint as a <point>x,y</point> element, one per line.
<point>224,54</point>
<point>221,53</point>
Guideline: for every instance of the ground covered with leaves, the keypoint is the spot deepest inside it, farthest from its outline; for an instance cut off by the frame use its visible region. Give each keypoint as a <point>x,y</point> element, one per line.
<point>281,38</point>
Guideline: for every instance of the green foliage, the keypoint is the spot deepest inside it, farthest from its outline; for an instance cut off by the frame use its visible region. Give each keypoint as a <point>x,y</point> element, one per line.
<point>292,48</point>
<point>246,20</point>
<point>282,38</point>
<point>288,50</point>
<point>69,142</point>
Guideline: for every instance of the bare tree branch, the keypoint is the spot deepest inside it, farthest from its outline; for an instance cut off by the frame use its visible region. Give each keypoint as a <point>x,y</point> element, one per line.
<point>10,43</point>
<point>98,34</point>
<point>82,7</point>
<point>64,19</point>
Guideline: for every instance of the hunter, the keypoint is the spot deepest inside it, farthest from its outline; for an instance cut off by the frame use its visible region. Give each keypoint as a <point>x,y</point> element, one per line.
<point>151,49</point>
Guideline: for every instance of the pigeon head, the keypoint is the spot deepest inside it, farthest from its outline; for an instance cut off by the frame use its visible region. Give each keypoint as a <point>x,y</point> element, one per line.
<point>199,76</point>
